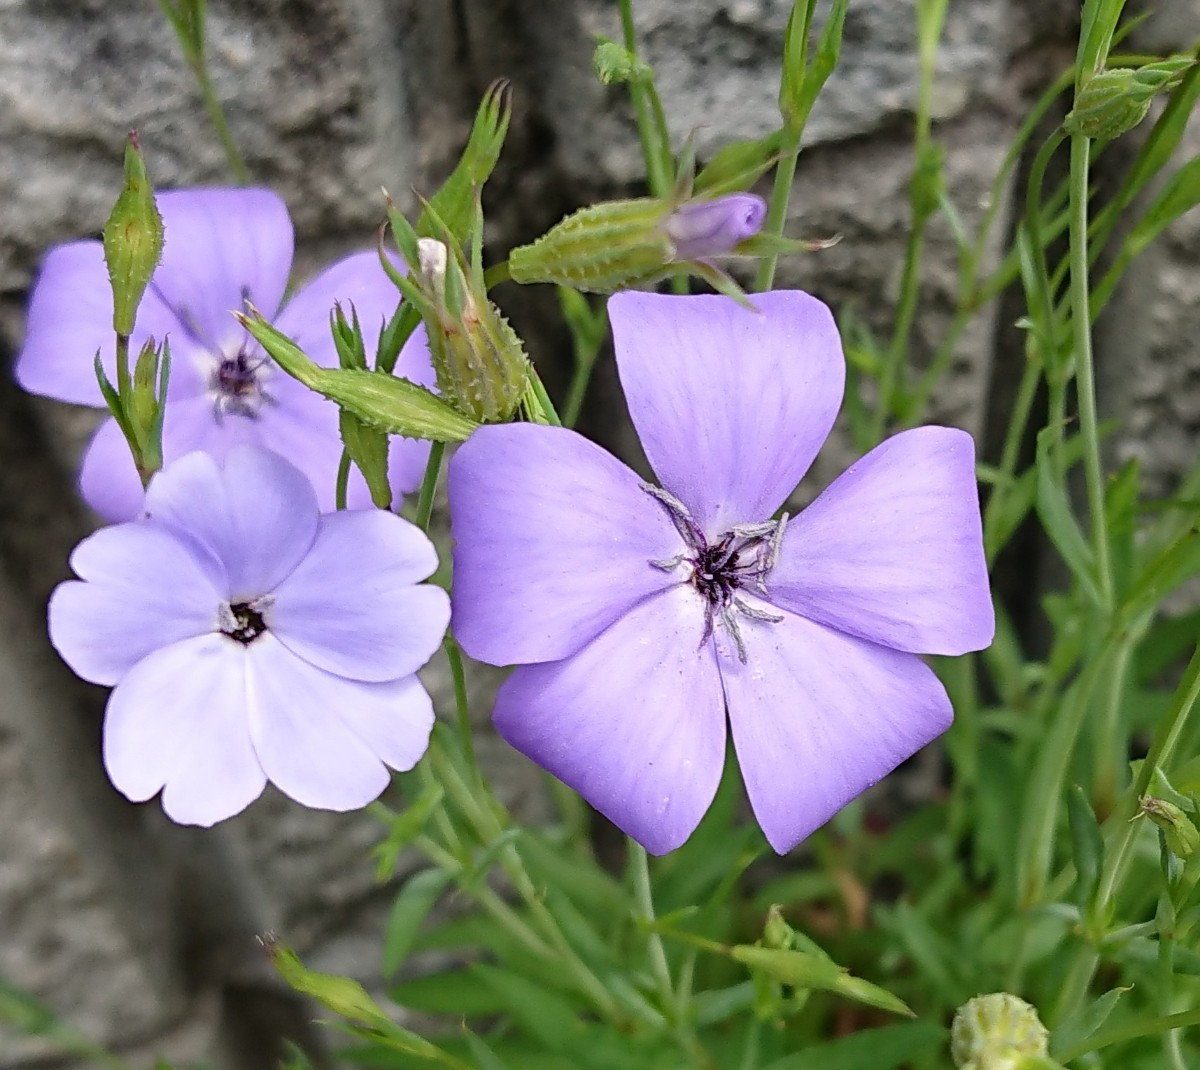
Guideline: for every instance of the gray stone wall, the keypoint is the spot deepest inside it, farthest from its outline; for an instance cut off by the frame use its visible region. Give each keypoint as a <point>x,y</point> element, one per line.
<point>141,934</point>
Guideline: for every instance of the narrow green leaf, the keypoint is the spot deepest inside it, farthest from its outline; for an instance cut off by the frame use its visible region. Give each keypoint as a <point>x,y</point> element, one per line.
<point>368,449</point>
<point>546,1015</point>
<point>804,970</point>
<point>1054,510</point>
<point>458,992</point>
<point>1088,843</point>
<point>412,906</point>
<point>484,1057</point>
<point>887,1048</point>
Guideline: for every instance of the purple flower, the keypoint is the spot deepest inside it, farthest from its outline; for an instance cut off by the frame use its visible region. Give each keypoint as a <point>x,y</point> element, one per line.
<point>249,639</point>
<point>703,229</point>
<point>223,247</point>
<point>642,618</point>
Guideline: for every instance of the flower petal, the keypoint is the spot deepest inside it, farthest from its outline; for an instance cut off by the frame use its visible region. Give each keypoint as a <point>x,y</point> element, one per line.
<point>764,386</point>
<point>300,720</point>
<point>146,588</point>
<point>355,605</point>
<point>221,248</point>
<point>71,318</point>
<point>893,550</point>
<point>178,721</point>
<point>108,478</point>
<point>818,717</point>
<point>553,542</point>
<point>257,513</point>
<point>634,722</point>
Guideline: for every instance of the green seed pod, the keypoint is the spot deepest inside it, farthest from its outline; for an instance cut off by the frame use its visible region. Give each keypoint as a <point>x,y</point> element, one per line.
<point>998,1031</point>
<point>1180,833</point>
<point>601,248</point>
<point>1113,102</point>
<point>479,360</point>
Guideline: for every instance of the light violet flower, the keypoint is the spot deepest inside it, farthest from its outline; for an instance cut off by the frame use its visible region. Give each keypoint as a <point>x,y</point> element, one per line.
<point>247,639</point>
<point>642,618</point>
<point>703,229</point>
<point>223,247</point>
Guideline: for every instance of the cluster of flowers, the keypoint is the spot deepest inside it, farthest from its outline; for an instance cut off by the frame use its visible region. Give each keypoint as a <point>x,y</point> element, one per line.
<point>251,634</point>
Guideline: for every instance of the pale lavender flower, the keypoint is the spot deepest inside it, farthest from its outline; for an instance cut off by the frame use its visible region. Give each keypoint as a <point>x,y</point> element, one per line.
<point>642,618</point>
<point>703,229</point>
<point>248,639</point>
<point>223,247</point>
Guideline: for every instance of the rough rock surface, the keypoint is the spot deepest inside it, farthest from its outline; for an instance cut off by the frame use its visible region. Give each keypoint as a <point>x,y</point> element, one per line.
<point>104,907</point>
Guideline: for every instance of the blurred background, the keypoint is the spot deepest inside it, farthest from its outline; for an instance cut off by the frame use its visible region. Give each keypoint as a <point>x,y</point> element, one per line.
<point>140,934</point>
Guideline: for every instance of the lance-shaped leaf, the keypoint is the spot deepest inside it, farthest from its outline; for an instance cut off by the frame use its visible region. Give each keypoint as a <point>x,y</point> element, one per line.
<point>379,400</point>
<point>454,201</point>
<point>806,970</point>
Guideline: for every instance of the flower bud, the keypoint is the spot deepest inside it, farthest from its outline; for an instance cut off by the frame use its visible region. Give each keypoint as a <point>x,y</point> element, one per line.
<point>133,240</point>
<point>998,1032</point>
<point>618,244</point>
<point>479,360</point>
<point>1179,832</point>
<point>704,229</point>
<point>1114,101</point>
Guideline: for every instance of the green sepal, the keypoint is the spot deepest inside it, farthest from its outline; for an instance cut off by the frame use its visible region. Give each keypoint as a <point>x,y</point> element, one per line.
<point>405,235</point>
<point>599,249</point>
<point>764,244</point>
<point>614,64</point>
<point>368,449</point>
<point>1114,101</point>
<point>453,202</point>
<point>133,240</point>
<point>737,166</point>
<point>380,400</point>
<point>348,338</point>
<point>719,281</point>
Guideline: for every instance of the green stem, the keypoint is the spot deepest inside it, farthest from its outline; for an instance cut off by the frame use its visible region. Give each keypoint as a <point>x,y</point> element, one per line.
<point>124,386</point>
<point>910,286</point>
<point>578,388</point>
<point>216,115</point>
<point>656,177</point>
<point>639,864</point>
<point>462,712</point>
<point>1084,371</point>
<point>433,468</point>
<point>781,192</point>
<point>342,482</point>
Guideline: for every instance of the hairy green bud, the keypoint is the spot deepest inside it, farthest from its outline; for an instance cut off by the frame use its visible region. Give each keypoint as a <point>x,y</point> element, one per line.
<point>133,240</point>
<point>1179,832</point>
<point>1114,101</point>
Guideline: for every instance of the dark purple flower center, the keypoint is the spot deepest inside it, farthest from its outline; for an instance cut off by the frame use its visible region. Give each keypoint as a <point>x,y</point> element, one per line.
<point>740,558</point>
<point>243,622</point>
<point>236,385</point>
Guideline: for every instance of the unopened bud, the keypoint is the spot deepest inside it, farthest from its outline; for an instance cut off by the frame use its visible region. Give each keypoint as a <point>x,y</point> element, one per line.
<point>479,360</point>
<point>703,229</point>
<point>998,1032</point>
<point>1114,101</point>
<point>1179,832</point>
<point>619,244</point>
<point>133,240</point>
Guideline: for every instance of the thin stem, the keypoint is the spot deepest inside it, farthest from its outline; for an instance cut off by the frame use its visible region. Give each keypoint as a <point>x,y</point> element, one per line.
<point>781,192</point>
<point>216,115</point>
<point>910,285</point>
<point>342,482</point>
<point>462,712</point>
<point>1084,372</point>
<point>124,386</point>
<point>656,177</point>
<point>577,391</point>
<point>433,468</point>
<point>639,865</point>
